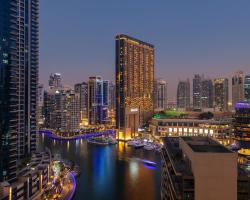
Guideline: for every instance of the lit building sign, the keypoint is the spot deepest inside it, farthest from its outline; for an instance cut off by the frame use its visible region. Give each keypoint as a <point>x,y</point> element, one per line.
<point>240,105</point>
<point>134,109</point>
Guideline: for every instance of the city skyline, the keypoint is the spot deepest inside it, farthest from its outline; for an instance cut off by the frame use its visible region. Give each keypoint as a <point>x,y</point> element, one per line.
<point>124,100</point>
<point>215,43</point>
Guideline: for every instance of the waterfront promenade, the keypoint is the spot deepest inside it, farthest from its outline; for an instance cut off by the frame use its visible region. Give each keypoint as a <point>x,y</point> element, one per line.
<point>55,136</point>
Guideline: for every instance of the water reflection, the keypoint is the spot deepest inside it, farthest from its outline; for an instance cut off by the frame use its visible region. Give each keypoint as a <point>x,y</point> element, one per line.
<point>110,172</point>
<point>133,170</point>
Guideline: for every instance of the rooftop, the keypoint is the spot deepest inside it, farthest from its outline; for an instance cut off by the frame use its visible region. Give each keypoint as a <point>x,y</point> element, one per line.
<point>123,36</point>
<point>205,145</point>
<point>171,144</point>
<point>170,114</point>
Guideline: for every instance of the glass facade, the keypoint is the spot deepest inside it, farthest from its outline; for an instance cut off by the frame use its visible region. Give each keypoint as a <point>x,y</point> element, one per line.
<point>207,93</point>
<point>8,88</point>
<point>237,87</point>
<point>82,89</point>
<point>247,88</point>
<point>98,94</point>
<point>160,95</point>
<point>197,88</point>
<point>221,94</point>
<point>183,94</point>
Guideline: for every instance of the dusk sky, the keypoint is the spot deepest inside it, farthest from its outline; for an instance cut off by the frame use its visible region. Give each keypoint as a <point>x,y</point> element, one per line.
<point>210,37</point>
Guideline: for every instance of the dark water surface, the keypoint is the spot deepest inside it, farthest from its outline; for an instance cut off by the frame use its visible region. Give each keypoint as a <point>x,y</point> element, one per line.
<point>110,172</point>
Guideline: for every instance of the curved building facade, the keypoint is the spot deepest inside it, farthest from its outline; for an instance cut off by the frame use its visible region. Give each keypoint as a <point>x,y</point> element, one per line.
<point>175,127</point>
<point>241,128</point>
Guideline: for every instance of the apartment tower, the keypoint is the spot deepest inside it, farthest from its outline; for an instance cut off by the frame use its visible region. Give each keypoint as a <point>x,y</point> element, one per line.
<point>19,51</point>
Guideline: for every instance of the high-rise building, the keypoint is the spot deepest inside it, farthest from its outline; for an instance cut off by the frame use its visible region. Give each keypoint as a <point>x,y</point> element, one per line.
<point>57,107</point>
<point>197,91</point>
<point>8,90</point>
<point>247,88</point>
<point>62,110</point>
<point>206,93</point>
<point>47,108</point>
<point>111,96</point>
<point>18,83</point>
<point>237,87</point>
<point>97,100</point>
<point>105,93</point>
<point>134,84</point>
<point>160,95</point>
<point>55,81</point>
<point>202,92</point>
<point>73,114</point>
<point>198,167</point>
<point>40,103</point>
<point>111,108</point>
<point>183,94</point>
<point>221,94</point>
<point>82,90</point>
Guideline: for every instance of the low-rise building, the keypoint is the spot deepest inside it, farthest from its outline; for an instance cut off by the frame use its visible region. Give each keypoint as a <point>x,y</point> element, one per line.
<point>202,169</point>
<point>190,127</point>
<point>241,128</point>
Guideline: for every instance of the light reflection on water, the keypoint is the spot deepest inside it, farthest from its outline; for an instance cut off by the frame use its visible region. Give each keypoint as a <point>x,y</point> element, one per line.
<point>110,172</point>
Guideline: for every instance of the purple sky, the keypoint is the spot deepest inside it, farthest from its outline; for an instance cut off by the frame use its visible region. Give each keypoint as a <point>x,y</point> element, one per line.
<point>210,37</point>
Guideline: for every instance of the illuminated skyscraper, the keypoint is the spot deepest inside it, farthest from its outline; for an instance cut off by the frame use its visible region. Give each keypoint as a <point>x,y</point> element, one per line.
<point>202,92</point>
<point>82,90</point>
<point>19,52</point>
<point>183,94</point>
<point>97,100</point>
<point>197,90</point>
<point>247,88</point>
<point>160,95</point>
<point>237,87</point>
<point>134,84</point>
<point>206,93</point>
<point>73,117</point>
<point>221,94</point>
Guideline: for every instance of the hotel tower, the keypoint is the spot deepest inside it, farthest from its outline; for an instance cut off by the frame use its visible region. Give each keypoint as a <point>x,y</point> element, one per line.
<point>134,84</point>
